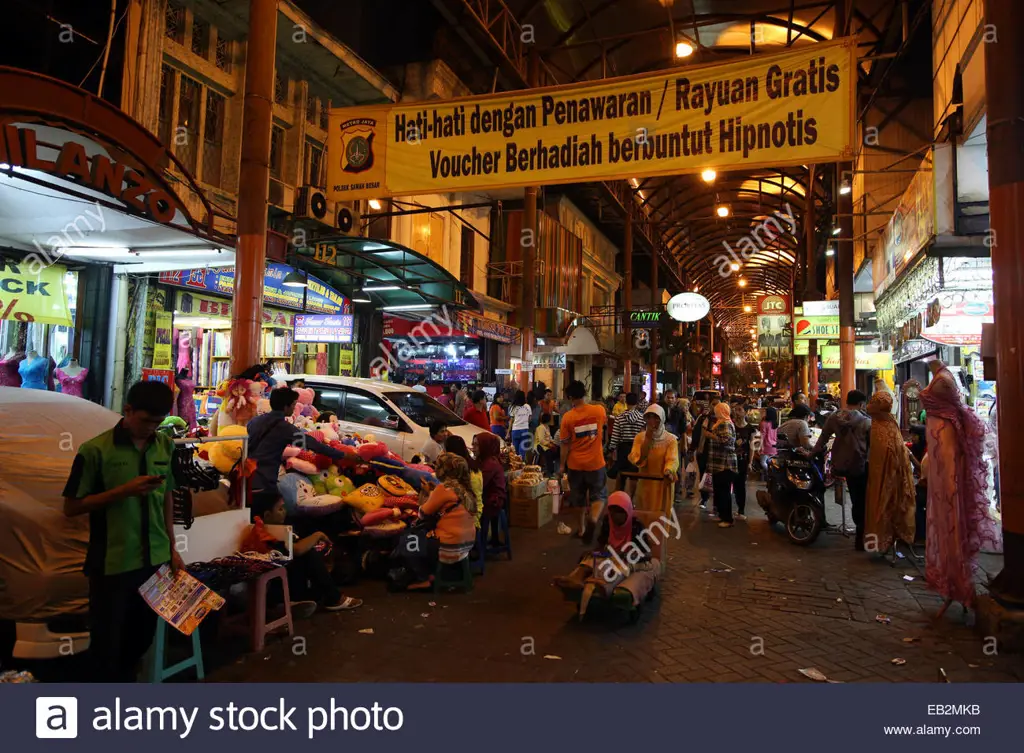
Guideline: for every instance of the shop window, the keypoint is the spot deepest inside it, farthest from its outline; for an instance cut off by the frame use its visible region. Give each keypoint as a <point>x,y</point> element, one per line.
<point>276,151</point>
<point>280,88</point>
<point>213,138</point>
<point>466,265</point>
<point>166,103</point>
<point>189,93</point>
<point>313,165</point>
<point>311,104</point>
<point>365,409</point>
<point>174,23</point>
<point>222,56</point>
<point>332,400</point>
<point>200,37</point>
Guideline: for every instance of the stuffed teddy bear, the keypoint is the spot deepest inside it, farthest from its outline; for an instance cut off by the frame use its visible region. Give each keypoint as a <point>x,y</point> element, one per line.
<point>304,406</point>
<point>224,455</point>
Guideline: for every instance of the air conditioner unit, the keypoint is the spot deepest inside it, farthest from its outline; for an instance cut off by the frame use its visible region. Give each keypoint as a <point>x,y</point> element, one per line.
<point>347,218</point>
<point>311,204</point>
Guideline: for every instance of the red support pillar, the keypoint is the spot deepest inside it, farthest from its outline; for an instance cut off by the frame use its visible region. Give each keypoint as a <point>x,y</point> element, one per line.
<point>627,303</point>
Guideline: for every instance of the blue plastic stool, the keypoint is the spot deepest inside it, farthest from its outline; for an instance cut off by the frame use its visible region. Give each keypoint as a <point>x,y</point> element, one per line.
<point>502,524</point>
<point>158,672</point>
<point>464,581</point>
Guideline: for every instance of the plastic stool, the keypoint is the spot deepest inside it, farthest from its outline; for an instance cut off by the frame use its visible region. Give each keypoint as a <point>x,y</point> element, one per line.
<point>258,624</point>
<point>158,672</point>
<point>501,522</point>
<point>480,563</point>
<point>464,581</point>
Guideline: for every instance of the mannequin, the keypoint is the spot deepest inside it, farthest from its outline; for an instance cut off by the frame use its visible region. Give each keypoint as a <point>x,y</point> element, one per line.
<point>9,376</point>
<point>72,378</point>
<point>186,405</point>
<point>33,371</point>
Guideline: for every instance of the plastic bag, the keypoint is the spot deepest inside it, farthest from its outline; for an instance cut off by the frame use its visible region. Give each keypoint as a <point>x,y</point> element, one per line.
<point>706,483</point>
<point>691,467</point>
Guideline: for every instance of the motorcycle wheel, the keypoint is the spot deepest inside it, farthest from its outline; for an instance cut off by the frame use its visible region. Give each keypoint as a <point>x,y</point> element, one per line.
<point>803,523</point>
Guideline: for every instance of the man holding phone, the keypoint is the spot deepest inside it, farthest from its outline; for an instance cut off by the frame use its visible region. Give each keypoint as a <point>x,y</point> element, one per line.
<point>122,479</point>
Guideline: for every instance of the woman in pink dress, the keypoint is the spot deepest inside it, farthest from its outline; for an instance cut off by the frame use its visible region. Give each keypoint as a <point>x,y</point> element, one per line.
<point>186,403</point>
<point>959,522</point>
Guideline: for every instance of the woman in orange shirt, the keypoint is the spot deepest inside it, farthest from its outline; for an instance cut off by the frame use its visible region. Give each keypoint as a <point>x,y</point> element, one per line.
<point>499,418</point>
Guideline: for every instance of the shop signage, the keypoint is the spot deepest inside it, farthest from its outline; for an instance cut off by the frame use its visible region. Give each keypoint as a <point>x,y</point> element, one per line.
<point>346,361</point>
<point>162,340</point>
<point>158,375</point>
<point>773,321</point>
<point>716,369</point>
<point>786,109</point>
<point>193,304</point>
<point>554,361</point>
<point>27,296</point>
<point>321,298</point>
<point>864,359</point>
<point>960,324</point>
<point>688,307</point>
<point>801,347</point>
<point>19,148</point>
<point>491,329</point>
<point>911,228</point>
<point>503,372</point>
<point>912,349</point>
<point>323,328</point>
<point>821,308</point>
<point>815,327</point>
<point>716,357</point>
<point>645,319</point>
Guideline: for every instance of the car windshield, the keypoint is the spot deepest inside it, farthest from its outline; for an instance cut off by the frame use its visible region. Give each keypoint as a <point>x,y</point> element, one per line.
<point>422,409</point>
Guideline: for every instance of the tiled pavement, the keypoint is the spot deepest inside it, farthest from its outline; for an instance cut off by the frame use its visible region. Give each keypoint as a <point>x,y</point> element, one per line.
<point>736,605</point>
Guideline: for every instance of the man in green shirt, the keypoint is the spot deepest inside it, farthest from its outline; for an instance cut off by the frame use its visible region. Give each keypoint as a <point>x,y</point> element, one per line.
<point>123,479</point>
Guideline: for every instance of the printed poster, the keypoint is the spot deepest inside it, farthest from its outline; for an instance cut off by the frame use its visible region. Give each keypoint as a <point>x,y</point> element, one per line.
<point>180,599</point>
<point>162,340</point>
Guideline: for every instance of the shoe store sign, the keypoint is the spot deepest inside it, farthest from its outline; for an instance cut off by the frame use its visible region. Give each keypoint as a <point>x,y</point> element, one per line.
<point>792,108</point>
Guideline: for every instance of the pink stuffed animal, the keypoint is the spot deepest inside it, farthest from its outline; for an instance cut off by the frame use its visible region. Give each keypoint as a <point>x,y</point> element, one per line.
<point>304,406</point>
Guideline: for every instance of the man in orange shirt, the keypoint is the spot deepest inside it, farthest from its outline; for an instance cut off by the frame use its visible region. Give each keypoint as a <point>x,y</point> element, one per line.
<point>582,441</point>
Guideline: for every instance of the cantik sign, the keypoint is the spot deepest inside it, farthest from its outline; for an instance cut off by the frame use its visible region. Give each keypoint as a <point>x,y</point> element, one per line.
<point>19,148</point>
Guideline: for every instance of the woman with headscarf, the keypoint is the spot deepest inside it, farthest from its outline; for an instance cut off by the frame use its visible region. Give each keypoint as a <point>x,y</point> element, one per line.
<point>655,453</point>
<point>890,507</point>
<point>495,492</point>
<point>744,438</point>
<point>446,522</point>
<point>959,522</point>
<point>457,445</point>
<point>622,561</point>
<point>722,463</point>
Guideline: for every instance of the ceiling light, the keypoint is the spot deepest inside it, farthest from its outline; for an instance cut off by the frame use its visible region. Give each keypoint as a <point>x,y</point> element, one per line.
<point>695,288</point>
<point>722,211</point>
<point>380,288</point>
<point>844,187</point>
<point>742,283</point>
<point>830,251</point>
<point>375,204</point>
<point>683,49</point>
<point>836,230</point>
<point>751,330</point>
<point>709,175</point>
<point>294,279</point>
<point>361,300</point>
<point>737,360</point>
<point>735,266</point>
<point>411,307</point>
<point>747,309</point>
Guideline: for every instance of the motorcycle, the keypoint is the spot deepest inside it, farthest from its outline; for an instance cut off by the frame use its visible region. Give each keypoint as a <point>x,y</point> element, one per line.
<point>795,496</point>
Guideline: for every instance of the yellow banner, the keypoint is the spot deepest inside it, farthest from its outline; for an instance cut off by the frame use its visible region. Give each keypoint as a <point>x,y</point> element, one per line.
<point>864,360</point>
<point>766,110</point>
<point>30,292</point>
<point>162,340</point>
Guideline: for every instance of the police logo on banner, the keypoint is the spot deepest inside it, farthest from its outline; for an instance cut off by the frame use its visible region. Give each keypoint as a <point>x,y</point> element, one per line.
<point>357,140</point>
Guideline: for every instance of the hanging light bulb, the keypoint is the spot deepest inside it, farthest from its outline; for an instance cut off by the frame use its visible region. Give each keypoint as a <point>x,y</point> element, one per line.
<point>683,49</point>
<point>747,309</point>
<point>375,204</point>
<point>735,266</point>
<point>723,211</point>
<point>830,251</point>
<point>845,187</point>
<point>708,175</point>
<point>742,283</point>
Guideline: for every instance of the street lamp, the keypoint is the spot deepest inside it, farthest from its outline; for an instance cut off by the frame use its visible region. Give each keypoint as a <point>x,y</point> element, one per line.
<point>683,49</point>
<point>737,360</point>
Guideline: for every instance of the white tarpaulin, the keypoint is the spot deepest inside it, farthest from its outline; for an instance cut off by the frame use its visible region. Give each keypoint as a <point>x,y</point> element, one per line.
<point>41,551</point>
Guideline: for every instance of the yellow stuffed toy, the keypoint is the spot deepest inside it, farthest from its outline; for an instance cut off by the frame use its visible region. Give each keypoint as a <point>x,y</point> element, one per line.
<point>224,455</point>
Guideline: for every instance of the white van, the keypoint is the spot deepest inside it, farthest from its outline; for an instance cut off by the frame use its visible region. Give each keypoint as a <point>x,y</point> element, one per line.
<point>394,414</point>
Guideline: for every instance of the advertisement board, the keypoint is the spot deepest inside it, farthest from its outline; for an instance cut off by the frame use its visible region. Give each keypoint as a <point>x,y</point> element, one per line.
<point>791,108</point>
<point>911,228</point>
<point>320,328</point>
<point>320,297</point>
<point>960,323</point>
<point>865,360</point>
<point>31,293</point>
<point>773,321</point>
<point>815,327</point>
<point>554,361</point>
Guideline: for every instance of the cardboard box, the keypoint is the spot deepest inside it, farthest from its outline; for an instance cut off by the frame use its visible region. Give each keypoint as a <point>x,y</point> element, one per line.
<point>530,513</point>
<point>528,492</point>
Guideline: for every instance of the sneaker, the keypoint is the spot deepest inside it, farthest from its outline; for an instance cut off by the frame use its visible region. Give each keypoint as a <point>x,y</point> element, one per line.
<point>723,524</point>
<point>741,516</point>
<point>344,604</point>
<point>302,610</point>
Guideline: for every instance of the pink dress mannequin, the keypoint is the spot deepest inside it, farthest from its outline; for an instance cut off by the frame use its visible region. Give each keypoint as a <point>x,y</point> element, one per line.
<point>9,376</point>
<point>186,403</point>
<point>72,379</point>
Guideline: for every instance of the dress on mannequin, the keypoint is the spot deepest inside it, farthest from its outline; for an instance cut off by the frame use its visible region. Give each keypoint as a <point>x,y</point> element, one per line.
<point>186,404</point>
<point>72,379</point>
<point>9,374</point>
<point>33,372</point>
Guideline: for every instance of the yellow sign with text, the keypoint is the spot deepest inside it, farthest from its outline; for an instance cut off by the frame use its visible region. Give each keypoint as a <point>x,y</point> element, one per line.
<point>766,110</point>
<point>31,292</point>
